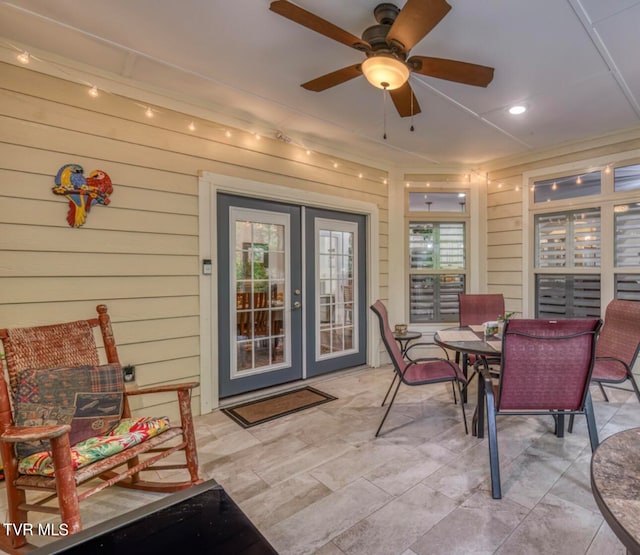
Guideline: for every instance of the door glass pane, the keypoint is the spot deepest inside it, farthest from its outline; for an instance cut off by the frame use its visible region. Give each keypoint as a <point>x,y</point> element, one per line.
<point>260,287</point>
<point>335,296</point>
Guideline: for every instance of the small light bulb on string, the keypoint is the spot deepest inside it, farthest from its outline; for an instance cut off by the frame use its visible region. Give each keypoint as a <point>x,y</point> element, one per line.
<point>308,152</point>
<point>579,180</point>
<point>335,164</point>
<point>148,112</point>
<point>227,134</point>
<point>360,175</point>
<point>192,126</point>
<point>93,92</point>
<point>24,57</point>
<point>607,169</point>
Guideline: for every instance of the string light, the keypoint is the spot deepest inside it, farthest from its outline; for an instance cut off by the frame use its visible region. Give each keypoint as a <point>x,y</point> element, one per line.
<point>24,57</point>
<point>579,180</point>
<point>607,169</point>
<point>384,181</point>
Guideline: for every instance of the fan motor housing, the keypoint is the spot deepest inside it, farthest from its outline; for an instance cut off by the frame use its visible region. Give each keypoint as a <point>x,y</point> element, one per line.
<point>386,13</point>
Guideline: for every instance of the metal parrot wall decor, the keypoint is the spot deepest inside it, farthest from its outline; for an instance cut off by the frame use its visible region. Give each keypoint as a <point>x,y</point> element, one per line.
<point>82,191</point>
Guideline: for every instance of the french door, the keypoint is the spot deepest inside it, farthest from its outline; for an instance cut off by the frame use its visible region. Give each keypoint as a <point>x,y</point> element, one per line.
<point>291,292</point>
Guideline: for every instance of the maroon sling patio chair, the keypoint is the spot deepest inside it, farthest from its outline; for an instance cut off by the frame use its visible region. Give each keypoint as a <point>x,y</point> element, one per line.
<point>618,346</point>
<point>545,369</point>
<point>476,309</point>
<point>421,371</point>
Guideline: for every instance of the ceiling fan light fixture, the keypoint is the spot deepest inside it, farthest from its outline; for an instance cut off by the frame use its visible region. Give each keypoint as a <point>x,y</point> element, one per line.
<point>385,72</point>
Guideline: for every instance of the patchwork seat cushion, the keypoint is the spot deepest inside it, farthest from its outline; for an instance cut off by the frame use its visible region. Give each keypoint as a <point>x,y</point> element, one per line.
<point>89,398</point>
<point>129,432</point>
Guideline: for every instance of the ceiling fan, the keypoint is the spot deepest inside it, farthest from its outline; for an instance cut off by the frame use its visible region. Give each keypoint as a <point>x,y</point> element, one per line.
<point>387,47</point>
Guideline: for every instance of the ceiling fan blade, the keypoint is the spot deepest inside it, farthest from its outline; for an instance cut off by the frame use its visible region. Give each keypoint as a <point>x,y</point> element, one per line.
<point>317,24</point>
<point>405,101</point>
<point>452,70</point>
<point>332,79</point>
<point>414,21</point>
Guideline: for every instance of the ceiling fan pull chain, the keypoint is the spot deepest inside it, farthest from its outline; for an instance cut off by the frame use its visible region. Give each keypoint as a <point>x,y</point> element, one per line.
<point>411,128</point>
<point>384,113</point>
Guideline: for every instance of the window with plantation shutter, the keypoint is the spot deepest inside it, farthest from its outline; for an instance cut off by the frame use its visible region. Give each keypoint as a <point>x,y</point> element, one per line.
<point>568,239</point>
<point>567,296</point>
<point>627,235</point>
<point>436,270</point>
<point>628,287</point>
<point>586,250</point>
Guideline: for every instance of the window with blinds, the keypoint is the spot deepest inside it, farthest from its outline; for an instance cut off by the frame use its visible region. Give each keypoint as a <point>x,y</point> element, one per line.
<point>584,257</point>
<point>568,239</point>
<point>435,249</point>
<point>627,235</point>
<point>628,287</point>
<point>567,296</point>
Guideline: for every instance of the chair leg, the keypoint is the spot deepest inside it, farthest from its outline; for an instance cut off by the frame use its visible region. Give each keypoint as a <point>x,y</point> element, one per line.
<point>591,422</point>
<point>393,398</point>
<point>455,398</point>
<point>190,451</point>
<point>389,390</point>
<point>604,393</point>
<point>464,416</point>
<point>634,385</point>
<point>15,498</point>
<point>560,424</point>
<point>65,483</point>
<point>494,459</point>
<point>570,428</point>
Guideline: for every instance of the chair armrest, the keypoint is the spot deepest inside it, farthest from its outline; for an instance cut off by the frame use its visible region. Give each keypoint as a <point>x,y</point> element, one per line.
<point>162,388</point>
<point>426,344</point>
<point>486,376</point>
<point>15,434</point>
<point>611,359</point>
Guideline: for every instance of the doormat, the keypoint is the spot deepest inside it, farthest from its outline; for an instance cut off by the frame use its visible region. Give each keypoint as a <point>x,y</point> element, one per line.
<point>263,410</point>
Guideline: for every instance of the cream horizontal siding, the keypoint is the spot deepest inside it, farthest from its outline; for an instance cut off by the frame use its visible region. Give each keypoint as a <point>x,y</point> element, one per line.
<point>138,255</point>
<point>504,241</point>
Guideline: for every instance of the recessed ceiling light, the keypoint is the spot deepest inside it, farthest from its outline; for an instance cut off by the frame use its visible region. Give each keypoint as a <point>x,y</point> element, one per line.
<point>518,109</point>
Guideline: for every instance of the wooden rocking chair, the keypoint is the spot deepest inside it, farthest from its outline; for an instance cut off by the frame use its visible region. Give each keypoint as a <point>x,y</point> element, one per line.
<point>62,354</point>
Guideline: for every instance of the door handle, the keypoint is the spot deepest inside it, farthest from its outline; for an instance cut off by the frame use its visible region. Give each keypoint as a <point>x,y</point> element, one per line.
<point>297,304</point>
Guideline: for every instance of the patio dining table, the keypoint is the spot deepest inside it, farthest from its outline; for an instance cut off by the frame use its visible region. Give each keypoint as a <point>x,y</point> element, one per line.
<point>470,340</point>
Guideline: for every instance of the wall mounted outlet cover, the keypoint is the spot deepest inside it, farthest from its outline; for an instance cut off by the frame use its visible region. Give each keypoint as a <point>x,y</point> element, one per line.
<point>129,373</point>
